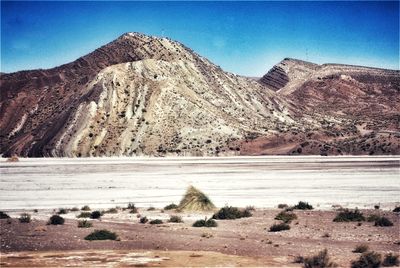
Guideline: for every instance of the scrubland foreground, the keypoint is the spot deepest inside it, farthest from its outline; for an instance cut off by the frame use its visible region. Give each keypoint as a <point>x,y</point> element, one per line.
<point>283,237</point>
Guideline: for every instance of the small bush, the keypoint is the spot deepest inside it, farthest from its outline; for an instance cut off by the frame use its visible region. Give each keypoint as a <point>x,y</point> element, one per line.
<point>360,249</point>
<point>349,215</point>
<point>171,206</point>
<point>303,206</point>
<point>143,220</point>
<point>75,209</point>
<point>372,217</point>
<point>282,206</point>
<point>320,260</point>
<point>151,209</point>
<point>176,219</point>
<point>84,215</point>
<point>377,207</point>
<point>383,222</point>
<point>279,227</point>
<point>205,223</point>
<point>250,208</point>
<point>156,221</point>
<point>230,213</point>
<point>25,218</point>
<point>84,224</point>
<point>111,211</point>
<point>4,215</point>
<point>95,214</point>
<point>285,216</point>
<point>101,235</point>
<point>56,220</point>
<point>133,208</point>
<point>396,209</point>
<point>62,211</point>
<point>86,208</point>
<point>368,259</point>
<point>391,260</point>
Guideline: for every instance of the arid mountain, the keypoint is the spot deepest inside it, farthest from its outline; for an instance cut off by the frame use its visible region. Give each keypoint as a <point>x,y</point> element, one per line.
<point>142,95</point>
<point>137,95</point>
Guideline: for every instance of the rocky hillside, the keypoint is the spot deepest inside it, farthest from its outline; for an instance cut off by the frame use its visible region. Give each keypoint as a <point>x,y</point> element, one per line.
<point>143,95</point>
<point>138,95</point>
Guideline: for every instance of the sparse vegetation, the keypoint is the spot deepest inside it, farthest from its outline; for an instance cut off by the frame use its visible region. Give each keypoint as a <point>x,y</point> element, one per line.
<point>368,259</point>
<point>56,220</point>
<point>391,260</point>
<point>360,249</point>
<point>303,206</point>
<point>156,221</point>
<point>75,209</point>
<point>111,211</point>
<point>86,208</point>
<point>383,222</point>
<point>25,218</point>
<point>349,215</point>
<point>372,217</point>
<point>84,215</point>
<point>95,214</point>
<point>133,208</point>
<point>176,219</point>
<point>101,235</point>
<point>282,206</point>
<point>62,211</point>
<point>396,209</point>
<point>230,213</point>
<point>279,227</point>
<point>143,220</point>
<point>151,209</point>
<point>285,216</point>
<point>84,224</point>
<point>320,260</point>
<point>4,215</point>
<point>195,200</point>
<point>205,223</point>
<point>171,206</point>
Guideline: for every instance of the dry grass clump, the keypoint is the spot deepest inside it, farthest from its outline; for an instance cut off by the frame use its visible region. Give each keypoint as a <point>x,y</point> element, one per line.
<point>13,159</point>
<point>84,215</point>
<point>303,206</point>
<point>319,261</point>
<point>171,206</point>
<point>279,227</point>
<point>176,219</point>
<point>84,224</point>
<point>361,249</point>
<point>285,216</point>
<point>195,200</point>
<point>349,215</point>
<point>368,259</point>
<point>85,208</point>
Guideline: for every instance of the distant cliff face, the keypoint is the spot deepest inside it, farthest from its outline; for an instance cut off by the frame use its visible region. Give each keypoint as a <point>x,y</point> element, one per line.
<point>143,95</point>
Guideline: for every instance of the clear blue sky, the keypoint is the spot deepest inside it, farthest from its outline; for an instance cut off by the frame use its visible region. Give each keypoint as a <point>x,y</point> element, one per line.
<point>246,38</point>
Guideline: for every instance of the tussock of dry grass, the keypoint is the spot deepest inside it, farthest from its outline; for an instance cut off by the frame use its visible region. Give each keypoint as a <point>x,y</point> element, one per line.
<point>195,200</point>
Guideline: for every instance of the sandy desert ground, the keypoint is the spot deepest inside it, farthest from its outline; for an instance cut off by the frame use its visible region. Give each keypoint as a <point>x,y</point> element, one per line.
<point>50,184</point>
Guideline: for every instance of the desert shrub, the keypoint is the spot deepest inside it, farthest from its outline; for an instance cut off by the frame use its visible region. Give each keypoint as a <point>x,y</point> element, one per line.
<point>171,206</point>
<point>101,235</point>
<point>230,213</point>
<point>111,211</point>
<point>282,206</point>
<point>84,224</point>
<point>25,218</point>
<point>298,259</point>
<point>205,223</point>
<point>279,227</point>
<point>156,221</point>
<point>368,259</point>
<point>133,208</point>
<point>285,216</point>
<point>195,200</point>
<point>151,209</point>
<point>250,208</point>
<point>396,209</point>
<point>360,249</point>
<point>319,261</point>
<point>349,215</point>
<point>4,215</point>
<point>95,214</point>
<point>86,208</point>
<point>377,207</point>
<point>391,260</point>
<point>303,206</point>
<point>383,222</point>
<point>84,215</point>
<point>62,211</point>
<point>176,219</point>
<point>75,209</point>
<point>372,217</point>
<point>56,220</point>
<point>143,220</point>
